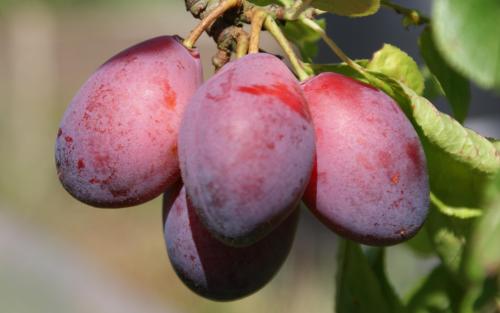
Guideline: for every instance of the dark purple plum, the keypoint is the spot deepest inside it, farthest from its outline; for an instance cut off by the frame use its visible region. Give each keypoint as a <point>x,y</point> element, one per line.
<point>117,141</point>
<point>214,270</point>
<point>246,148</point>
<point>370,180</point>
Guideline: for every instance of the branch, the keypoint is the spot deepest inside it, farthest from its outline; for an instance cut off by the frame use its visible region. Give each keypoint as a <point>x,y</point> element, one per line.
<point>208,20</point>
<point>412,15</point>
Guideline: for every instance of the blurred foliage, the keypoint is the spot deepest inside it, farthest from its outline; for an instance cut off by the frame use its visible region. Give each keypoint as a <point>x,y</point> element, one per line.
<point>4,4</point>
<point>454,86</point>
<point>466,32</point>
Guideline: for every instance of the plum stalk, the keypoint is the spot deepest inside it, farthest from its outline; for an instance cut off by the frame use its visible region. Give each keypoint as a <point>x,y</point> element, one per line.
<point>209,20</point>
<point>227,31</point>
<point>242,44</point>
<point>258,18</point>
<point>278,35</point>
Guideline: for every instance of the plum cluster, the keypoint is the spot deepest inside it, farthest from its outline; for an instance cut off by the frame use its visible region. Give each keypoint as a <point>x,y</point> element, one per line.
<point>235,155</point>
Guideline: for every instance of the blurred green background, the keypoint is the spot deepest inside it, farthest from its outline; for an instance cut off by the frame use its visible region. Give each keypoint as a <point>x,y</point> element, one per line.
<point>58,255</point>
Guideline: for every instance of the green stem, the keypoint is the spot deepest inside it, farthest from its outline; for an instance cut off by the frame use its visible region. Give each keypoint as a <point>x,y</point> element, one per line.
<point>333,46</point>
<point>278,35</point>
<point>298,8</point>
<point>413,15</point>
<point>344,58</point>
<point>208,20</point>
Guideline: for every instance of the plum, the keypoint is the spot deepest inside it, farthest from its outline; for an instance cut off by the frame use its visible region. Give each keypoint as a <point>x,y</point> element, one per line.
<point>370,181</point>
<point>117,141</point>
<point>212,269</point>
<point>246,148</point>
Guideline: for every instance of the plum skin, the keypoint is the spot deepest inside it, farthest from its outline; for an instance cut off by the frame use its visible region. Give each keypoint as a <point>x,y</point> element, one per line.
<point>212,269</point>
<point>370,181</point>
<point>246,148</point>
<point>117,141</point>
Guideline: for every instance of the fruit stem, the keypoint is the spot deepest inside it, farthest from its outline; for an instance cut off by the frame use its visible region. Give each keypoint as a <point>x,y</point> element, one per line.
<point>297,9</point>
<point>333,46</point>
<point>258,18</point>
<point>278,35</point>
<point>242,44</point>
<point>344,58</point>
<point>208,20</point>
<point>412,15</point>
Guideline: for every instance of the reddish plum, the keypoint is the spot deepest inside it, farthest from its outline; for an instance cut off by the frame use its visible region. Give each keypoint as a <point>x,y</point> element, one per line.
<point>214,270</point>
<point>370,181</point>
<point>117,142</point>
<point>246,148</point>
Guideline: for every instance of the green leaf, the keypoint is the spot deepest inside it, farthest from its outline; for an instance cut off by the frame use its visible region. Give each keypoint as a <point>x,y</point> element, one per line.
<point>461,163</point>
<point>481,262</point>
<point>358,288</point>
<point>395,63</point>
<point>487,298</point>
<point>438,293</point>
<point>376,258</point>
<point>448,236</point>
<point>304,37</point>
<point>433,88</point>
<point>495,142</point>
<point>455,86</point>
<point>466,32</point>
<point>353,8</point>
<point>482,251</point>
